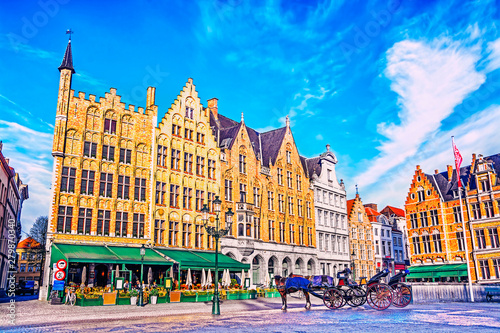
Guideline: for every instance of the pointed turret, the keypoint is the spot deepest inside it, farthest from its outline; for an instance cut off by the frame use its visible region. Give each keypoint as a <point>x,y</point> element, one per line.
<point>67,62</point>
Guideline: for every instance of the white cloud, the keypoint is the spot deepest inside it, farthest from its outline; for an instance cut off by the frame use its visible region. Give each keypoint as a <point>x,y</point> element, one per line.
<point>430,79</point>
<point>494,55</point>
<point>319,137</point>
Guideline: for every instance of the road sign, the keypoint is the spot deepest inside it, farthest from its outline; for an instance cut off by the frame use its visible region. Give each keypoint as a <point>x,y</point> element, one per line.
<point>61,264</point>
<point>60,275</point>
<point>58,285</point>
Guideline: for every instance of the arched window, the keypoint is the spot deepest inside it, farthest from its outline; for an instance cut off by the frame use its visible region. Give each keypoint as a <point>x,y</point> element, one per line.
<point>256,270</point>
<point>270,266</point>
<point>127,127</point>
<point>284,270</point>
<point>142,158</point>
<point>92,119</point>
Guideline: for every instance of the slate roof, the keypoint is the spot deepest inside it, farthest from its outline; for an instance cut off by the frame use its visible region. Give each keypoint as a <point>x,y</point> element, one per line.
<point>271,144</point>
<point>442,185</point>
<point>313,166</point>
<point>303,160</point>
<point>67,62</point>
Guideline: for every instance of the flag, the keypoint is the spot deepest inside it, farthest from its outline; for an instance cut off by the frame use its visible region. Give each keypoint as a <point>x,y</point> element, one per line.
<point>458,160</point>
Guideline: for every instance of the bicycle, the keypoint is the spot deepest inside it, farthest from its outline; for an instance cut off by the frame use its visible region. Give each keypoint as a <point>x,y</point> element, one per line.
<point>70,297</point>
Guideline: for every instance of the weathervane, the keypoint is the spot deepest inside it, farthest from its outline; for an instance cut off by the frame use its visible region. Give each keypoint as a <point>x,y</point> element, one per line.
<point>69,32</point>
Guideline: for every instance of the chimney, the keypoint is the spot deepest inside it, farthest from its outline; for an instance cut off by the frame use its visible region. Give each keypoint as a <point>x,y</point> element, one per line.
<point>418,167</point>
<point>436,171</point>
<point>150,97</point>
<point>372,206</point>
<point>473,157</point>
<point>212,105</point>
<point>450,172</point>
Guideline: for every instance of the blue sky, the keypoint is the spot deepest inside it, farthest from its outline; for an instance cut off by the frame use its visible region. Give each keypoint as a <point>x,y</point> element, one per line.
<point>386,83</point>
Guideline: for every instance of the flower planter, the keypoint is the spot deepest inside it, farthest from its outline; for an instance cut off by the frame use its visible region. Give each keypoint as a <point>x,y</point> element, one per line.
<point>154,299</point>
<point>133,300</point>
<point>243,295</point>
<point>163,299</point>
<point>205,297</point>
<point>123,301</point>
<point>252,295</point>
<point>175,296</point>
<point>89,301</point>
<point>233,295</point>
<point>188,298</point>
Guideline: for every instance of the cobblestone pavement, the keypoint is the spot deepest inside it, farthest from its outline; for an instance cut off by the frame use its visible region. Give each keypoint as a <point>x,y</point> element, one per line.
<point>261,315</point>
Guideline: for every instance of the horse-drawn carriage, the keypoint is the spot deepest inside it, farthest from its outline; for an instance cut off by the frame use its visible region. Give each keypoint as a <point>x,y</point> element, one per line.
<point>377,294</point>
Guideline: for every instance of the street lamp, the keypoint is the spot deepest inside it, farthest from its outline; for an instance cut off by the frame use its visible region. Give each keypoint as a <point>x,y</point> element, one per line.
<point>217,233</point>
<point>353,265</point>
<point>141,292</point>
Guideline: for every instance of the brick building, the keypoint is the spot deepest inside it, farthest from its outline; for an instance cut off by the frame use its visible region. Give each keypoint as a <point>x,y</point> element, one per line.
<point>29,260</point>
<point>382,237</point>
<point>361,239</point>
<point>434,223</point>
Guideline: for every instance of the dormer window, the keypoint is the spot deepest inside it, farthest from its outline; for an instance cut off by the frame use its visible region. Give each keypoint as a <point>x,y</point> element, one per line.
<point>484,184</point>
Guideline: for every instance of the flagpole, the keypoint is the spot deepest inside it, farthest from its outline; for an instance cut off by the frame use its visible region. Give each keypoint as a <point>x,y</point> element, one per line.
<point>457,166</point>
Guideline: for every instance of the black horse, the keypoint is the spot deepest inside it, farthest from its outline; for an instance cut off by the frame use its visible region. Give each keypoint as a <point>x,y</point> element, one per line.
<point>292,285</point>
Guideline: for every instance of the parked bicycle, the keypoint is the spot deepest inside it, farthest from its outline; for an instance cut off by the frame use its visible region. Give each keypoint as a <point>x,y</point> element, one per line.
<point>70,297</point>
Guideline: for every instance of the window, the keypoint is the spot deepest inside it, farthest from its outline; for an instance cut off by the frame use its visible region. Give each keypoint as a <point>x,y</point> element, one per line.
<point>140,189</point>
<point>457,214</point>
<point>200,165</point>
<point>289,179</point>
<point>108,153</point>
<point>90,149</point>
<point>200,137</point>
<point>290,206</point>
<point>376,231</point>
<point>376,247</point>
<point>301,235</point>
<point>476,211</point>
<point>485,269</point>
<point>123,187</point>
<point>434,217</point>
<point>187,198</point>
<point>121,224</point>
<point>481,239</point>
<point>22,269</point>
<point>138,226</point>
<point>320,241</point>
<point>496,267</point>
<point>437,243</point>
<point>354,233</point>
<point>197,236</point>
<point>64,219</point>
<point>188,163</point>
<point>87,186</point>
<point>199,200</point>
<point>288,157</point>
<point>416,245</point>
<point>282,232</point>
<point>159,236</point>
<point>368,235</point>
<point>281,203</point>
<point>270,200</point>
<point>494,238</point>
<point>127,126</point>
<point>421,195</point>
<point>460,240</point>
<point>84,220</point>
<point>423,219</point>
<point>280,176</point>
<point>23,256</point>
<point>175,160</point>
<point>383,249</point>
<point>319,216</point>
<point>173,231</point>
<point>68,179</point>
<point>106,185</point>
<point>243,193</point>
<point>161,193</point>
<point>103,220</point>
<point>243,164</point>
<point>271,230</point>
<point>256,232</point>
<point>161,157</point>
<point>109,126</point>
<point>299,183</point>
<point>176,130</point>
<point>30,267</point>
<point>256,196</point>
<point>309,236</point>
<point>485,184</point>
<point>210,201</point>
<point>414,220</point>
<point>189,112</point>
<point>186,234</point>
<point>248,227</point>
<point>292,234</point>
<point>308,209</point>
<point>299,207</point>
<point>188,134</point>
<point>211,169</point>
<point>125,155</point>
<point>174,196</point>
<point>427,243</point>
<point>488,208</point>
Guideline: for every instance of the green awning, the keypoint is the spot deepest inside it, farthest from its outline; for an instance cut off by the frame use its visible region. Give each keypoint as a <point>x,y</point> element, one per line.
<point>202,259</point>
<point>105,254</point>
<point>437,271</point>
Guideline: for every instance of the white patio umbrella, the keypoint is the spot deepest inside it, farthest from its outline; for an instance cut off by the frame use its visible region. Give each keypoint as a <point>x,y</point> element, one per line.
<point>242,282</point>
<point>150,276</point>
<point>228,278</point>
<point>189,279</point>
<point>224,278</point>
<point>84,274</point>
<point>203,278</point>
<point>267,280</point>
<point>171,272</point>
<point>209,279</point>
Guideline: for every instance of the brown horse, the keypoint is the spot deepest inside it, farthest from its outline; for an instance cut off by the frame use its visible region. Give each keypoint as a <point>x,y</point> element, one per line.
<point>292,285</point>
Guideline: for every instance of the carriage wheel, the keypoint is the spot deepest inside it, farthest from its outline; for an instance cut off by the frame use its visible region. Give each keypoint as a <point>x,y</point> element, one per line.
<point>379,296</point>
<point>355,297</point>
<point>401,295</point>
<point>333,299</point>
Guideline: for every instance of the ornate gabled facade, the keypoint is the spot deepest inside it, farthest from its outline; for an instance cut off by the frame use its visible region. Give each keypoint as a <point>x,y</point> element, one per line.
<point>397,219</point>
<point>361,240</point>
<point>382,237</point>
<point>434,221</point>
<point>265,183</point>
<point>332,234</point>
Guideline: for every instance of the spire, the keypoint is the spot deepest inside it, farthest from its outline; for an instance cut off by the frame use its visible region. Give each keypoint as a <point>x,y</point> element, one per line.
<point>67,62</point>
<point>287,121</point>
<point>242,118</point>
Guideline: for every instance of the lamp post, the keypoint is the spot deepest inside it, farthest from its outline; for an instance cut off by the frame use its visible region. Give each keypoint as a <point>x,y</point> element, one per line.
<point>141,291</point>
<point>216,232</point>
<point>353,265</point>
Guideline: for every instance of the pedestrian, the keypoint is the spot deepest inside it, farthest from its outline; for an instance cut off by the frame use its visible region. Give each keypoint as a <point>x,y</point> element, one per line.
<point>126,285</point>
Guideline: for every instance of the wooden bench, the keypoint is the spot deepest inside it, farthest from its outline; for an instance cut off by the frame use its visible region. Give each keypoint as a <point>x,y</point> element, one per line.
<point>491,292</point>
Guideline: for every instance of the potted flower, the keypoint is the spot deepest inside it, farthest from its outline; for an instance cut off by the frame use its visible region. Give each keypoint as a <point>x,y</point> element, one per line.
<point>252,294</point>
<point>123,298</point>
<point>133,296</point>
<point>153,294</point>
<point>188,296</point>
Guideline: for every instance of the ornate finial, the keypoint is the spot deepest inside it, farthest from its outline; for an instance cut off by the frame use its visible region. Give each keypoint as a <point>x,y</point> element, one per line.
<point>69,32</point>
<point>327,147</point>
<point>287,121</point>
<point>242,118</point>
